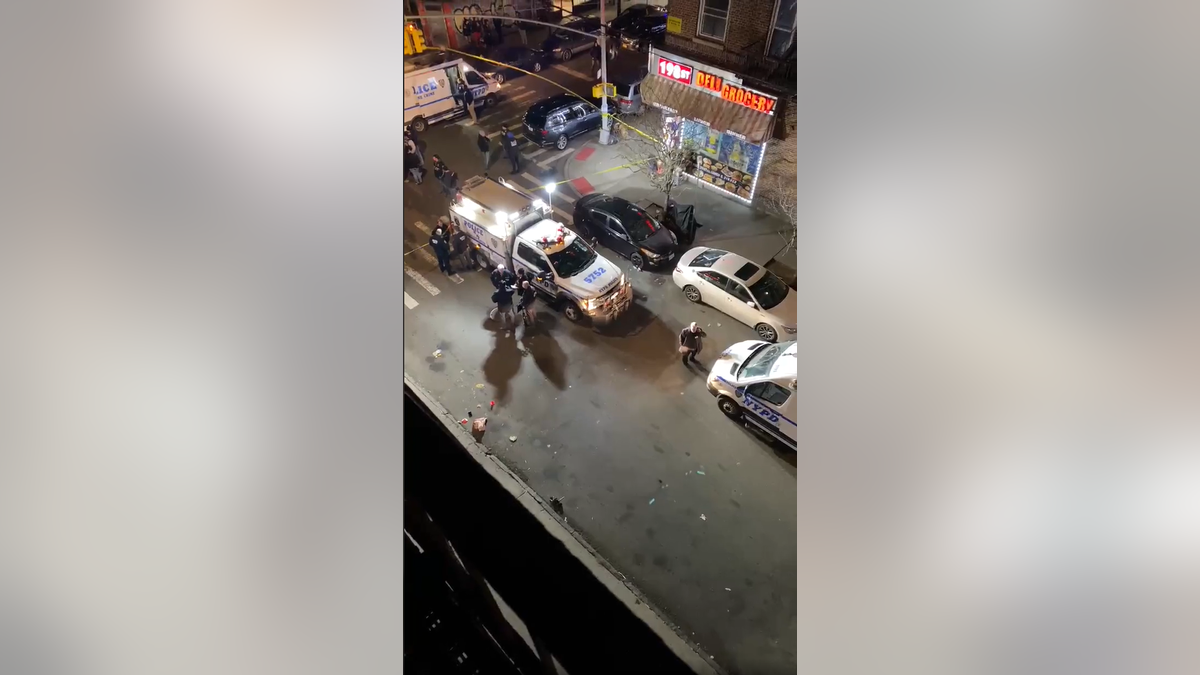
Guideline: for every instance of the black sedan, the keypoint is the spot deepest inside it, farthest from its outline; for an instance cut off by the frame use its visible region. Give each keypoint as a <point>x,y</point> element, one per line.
<point>566,45</point>
<point>524,58</point>
<point>627,229</point>
<point>649,30</point>
<point>633,15</point>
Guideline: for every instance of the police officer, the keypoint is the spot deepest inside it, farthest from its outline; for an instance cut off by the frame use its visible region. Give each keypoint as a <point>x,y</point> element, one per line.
<point>441,248</point>
<point>525,305</point>
<point>501,277</point>
<point>509,141</point>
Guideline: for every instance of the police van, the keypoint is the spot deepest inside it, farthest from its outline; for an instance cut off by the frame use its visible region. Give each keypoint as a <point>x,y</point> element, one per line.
<point>506,225</point>
<point>429,92</point>
<point>756,381</point>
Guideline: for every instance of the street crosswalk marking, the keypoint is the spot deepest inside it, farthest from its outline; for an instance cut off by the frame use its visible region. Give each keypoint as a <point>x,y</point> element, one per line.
<point>535,153</point>
<point>529,177</point>
<point>565,197</point>
<point>524,96</point>
<point>561,67</point>
<point>420,279</point>
<point>420,225</point>
<point>409,302</point>
<point>555,157</point>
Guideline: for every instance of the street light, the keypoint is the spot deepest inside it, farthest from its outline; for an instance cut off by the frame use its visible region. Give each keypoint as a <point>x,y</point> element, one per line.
<point>549,188</point>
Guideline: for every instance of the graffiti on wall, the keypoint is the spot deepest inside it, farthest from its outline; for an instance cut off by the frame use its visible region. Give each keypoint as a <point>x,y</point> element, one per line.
<point>497,7</point>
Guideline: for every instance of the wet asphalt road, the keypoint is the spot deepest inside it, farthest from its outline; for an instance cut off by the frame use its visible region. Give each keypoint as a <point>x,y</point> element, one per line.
<point>697,511</point>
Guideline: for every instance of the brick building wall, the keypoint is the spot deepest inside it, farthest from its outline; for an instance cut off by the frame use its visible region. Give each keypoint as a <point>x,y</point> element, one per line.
<point>749,24</point>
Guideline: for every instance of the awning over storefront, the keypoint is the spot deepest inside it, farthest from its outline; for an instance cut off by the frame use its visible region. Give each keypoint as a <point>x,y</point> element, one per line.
<point>718,113</point>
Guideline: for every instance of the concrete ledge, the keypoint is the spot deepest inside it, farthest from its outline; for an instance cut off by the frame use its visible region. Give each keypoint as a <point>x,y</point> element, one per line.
<point>613,580</point>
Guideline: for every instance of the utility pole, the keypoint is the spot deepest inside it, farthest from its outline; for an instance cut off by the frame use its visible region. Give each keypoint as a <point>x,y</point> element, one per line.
<point>605,123</point>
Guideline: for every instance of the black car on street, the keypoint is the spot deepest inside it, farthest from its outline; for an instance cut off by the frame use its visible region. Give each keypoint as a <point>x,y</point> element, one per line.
<point>634,14</point>
<point>556,120</point>
<point>625,228</point>
<point>524,58</point>
<point>566,45</point>
<point>648,30</point>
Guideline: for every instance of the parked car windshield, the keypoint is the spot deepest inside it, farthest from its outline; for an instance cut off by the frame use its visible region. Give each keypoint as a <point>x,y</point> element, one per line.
<point>769,290</point>
<point>576,257</point>
<point>760,362</point>
<point>637,222</point>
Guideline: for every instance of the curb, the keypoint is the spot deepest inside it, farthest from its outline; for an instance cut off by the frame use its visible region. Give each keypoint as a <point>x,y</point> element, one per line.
<point>616,582</point>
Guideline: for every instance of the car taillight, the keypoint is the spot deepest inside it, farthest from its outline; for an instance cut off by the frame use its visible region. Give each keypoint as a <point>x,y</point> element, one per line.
<point>543,132</point>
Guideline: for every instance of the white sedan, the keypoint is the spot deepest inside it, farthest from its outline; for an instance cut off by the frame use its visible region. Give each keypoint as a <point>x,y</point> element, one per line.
<point>744,290</point>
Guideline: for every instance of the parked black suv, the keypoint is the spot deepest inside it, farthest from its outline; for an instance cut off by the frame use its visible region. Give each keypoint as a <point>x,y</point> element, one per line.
<point>556,120</point>
<point>625,228</point>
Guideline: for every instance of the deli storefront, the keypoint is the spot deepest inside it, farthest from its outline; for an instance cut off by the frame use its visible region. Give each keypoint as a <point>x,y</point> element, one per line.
<point>709,110</point>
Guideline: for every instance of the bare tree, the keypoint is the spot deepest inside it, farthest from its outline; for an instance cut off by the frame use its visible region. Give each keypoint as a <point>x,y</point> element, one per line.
<point>779,198</point>
<point>776,193</point>
<point>644,146</point>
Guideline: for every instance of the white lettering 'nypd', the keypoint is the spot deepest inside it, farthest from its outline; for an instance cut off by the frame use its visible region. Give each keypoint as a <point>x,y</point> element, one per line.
<point>761,410</point>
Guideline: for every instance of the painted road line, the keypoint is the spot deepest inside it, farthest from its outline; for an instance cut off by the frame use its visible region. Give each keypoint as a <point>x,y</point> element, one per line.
<point>554,158</point>
<point>535,153</point>
<point>420,279</point>
<point>564,69</point>
<point>420,225</point>
<point>566,197</point>
<point>530,93</point>
<point>409,302</point>
<point>533,181</point>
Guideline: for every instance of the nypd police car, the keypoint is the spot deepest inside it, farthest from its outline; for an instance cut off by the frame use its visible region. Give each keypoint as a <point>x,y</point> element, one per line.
<point>755,381</point>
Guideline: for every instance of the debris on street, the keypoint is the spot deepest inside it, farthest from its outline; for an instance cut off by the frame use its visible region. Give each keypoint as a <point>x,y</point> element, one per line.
<point>700,473</point>
<point>702,517</point>
<point>728,588</point>
<point>512,439</point>
<point>437,353</point>
<point>651,501</point>
<point>479,386</point>
<point>479,425</point>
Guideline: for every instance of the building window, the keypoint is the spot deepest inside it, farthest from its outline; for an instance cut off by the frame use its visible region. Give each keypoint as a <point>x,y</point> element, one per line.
<point>714,19</point>
<point>783,31</point>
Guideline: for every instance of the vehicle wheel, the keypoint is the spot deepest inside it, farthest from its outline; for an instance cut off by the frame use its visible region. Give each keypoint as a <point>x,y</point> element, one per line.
<point>568,54</point>
<point>730,407</point>
<point>537,67</point>
<point>489,101</point>
<point>572,312</point>
<point>637,261</point>
<point>691,293</point>
<point>499,78</point>
<point>481,260</point>
<point>418,124</point>
<point>766,332</point>
<point>561,143</point>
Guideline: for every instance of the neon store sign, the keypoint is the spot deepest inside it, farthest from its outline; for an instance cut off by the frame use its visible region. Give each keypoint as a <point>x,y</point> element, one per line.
<point>675,71</point>
<point>753,101</point>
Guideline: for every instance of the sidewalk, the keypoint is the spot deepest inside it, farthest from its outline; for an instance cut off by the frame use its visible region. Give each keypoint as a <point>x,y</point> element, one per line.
<point>727,224</point>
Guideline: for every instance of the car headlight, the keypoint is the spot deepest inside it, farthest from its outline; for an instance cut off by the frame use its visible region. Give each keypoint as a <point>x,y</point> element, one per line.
<point>651,254</point>
<point>790,330</point>
<point>591,304</point>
